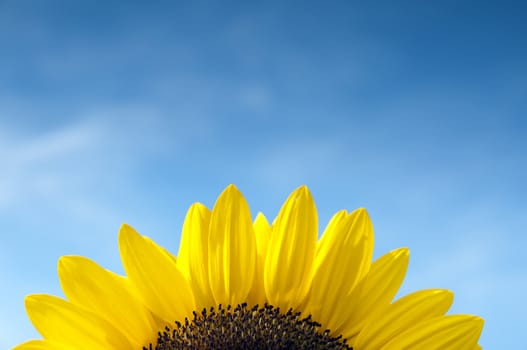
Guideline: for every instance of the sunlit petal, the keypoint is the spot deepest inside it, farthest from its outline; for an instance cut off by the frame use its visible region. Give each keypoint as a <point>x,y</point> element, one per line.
<point>289,262</point>
<point>232,248</point>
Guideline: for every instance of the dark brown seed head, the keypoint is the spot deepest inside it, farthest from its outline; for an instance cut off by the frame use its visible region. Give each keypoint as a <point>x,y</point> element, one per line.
<point>247,328</point>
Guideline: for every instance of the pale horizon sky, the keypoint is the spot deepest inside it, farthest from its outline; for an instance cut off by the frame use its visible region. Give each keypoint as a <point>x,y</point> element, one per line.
<point>128,113</point>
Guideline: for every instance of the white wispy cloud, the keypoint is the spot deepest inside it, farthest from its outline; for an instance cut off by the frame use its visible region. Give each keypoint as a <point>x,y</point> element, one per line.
<point>31,163</point>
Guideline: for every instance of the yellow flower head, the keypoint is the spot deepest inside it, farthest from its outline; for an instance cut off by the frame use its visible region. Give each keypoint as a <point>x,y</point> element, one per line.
<point>238,284</point>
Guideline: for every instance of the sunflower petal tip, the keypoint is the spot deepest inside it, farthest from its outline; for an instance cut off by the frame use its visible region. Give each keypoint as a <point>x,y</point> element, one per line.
<point>303,190</point>
<point>479,321</point>
<point>231,188</point>
<point>448,294</point>
<point>230,193</point>
<point>125,227</point>
<point>62,262</point>
<point>31,300</point>
<point>476,322</point>
<point>198,205</point>
<point>260,216</point>
<point>126,231</point>
<point>363,212</point>
<point>302,194</point>
<point>403,252</point>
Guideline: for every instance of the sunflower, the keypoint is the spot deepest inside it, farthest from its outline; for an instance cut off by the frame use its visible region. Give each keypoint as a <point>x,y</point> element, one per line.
<point>238,284</point>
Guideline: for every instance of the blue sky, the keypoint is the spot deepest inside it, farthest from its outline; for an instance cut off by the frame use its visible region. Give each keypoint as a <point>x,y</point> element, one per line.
<point>121,112</point>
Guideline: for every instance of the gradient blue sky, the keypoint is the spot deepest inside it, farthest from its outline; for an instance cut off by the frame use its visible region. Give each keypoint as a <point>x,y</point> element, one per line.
<point>115,112</point>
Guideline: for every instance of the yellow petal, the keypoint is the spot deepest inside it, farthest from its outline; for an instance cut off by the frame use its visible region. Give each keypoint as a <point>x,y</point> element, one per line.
<point>262,231</point>
<point>453,332</point>
<point>289,262</point>
<point>154,273</point>
<point>343,258</point>
<point>232,248</point>
<point>193,257</point>
<point>375,291</point>
<point>107,295</point>
<point>403,314</point>
<point>41,345</point>
<point>66,323</point>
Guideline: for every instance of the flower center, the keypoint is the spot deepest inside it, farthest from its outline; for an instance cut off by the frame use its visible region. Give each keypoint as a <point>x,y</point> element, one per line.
<point>247,328</point>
